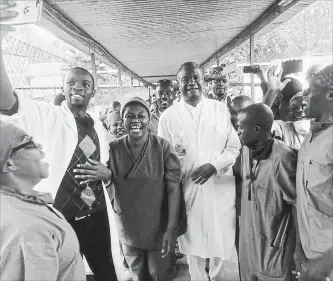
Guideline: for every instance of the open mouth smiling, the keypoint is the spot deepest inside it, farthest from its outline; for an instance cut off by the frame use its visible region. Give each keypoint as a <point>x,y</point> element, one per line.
<point>76,96</point>
<point>136,128</point>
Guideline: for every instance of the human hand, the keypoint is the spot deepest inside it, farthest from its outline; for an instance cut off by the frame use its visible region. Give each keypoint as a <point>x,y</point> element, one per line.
<point>5,14</point>
<point>274,79</point>
<point>203,173</point>
<point>169,242</point>
<point>92,171</point>
<point>260,74</point>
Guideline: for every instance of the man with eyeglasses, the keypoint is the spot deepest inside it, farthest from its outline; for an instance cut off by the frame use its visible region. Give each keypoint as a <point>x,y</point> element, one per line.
<point>77,149</point>
<point>207,145</point>
<point>164,99</point>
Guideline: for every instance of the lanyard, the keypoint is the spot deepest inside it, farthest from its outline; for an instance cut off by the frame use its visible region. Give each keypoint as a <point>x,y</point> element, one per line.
<point>252,175</point>
<point>253,170</point>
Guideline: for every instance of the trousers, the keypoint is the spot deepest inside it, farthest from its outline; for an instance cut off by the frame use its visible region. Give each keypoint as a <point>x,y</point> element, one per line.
<point>219,270</point>
<point>145,265</point>
<point>95,244</point>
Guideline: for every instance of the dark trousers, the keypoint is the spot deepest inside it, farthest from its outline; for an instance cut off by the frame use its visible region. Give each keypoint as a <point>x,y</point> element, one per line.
<point>148,265</point>
<point>95,244</point>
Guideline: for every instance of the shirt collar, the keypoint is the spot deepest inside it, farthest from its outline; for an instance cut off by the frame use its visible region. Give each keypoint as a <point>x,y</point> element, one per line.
<point>264,151</point>
<point>33,197</point>
<point>319,126</point>
<point>203,100</point>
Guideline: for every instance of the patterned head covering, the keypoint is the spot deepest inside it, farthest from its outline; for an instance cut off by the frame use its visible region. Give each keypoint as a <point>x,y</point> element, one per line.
<point>216,73</point>
<point>324,79</point>
<point>10,137</point>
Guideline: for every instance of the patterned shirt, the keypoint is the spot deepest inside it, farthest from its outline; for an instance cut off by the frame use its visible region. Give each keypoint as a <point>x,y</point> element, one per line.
<point>73,199</point>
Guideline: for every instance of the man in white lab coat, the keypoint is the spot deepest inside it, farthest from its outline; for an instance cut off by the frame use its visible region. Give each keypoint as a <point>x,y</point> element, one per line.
<point>207,145</point>
<point>77,149</point>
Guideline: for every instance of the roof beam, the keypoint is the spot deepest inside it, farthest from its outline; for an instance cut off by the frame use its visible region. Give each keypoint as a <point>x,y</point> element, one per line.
<point>160,76</point>
<point>274,11</point>
<point>54,16</point>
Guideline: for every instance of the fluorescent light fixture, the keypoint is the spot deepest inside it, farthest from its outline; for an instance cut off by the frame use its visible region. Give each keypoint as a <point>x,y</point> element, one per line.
<point>285,2</point>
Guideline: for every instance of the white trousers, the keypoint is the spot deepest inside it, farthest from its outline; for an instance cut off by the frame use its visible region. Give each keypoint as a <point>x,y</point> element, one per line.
<point>219,270</point>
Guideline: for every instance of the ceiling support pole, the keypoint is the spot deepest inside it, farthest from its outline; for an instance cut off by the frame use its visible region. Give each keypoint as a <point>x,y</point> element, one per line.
<point>252,58</point>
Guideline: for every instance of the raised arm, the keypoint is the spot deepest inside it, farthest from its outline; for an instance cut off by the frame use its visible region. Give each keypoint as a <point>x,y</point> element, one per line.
<point>7,97</point>
<point>274,84</point>
<point>263,84</point>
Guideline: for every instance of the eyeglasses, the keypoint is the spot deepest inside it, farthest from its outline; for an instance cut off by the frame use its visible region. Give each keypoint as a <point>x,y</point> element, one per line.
<point>29,142</point>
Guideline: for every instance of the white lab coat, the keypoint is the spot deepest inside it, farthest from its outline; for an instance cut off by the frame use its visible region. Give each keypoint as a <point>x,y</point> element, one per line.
<point>210,207</point>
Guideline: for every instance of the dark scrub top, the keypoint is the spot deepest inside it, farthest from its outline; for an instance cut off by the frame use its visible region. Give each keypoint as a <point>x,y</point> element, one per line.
<point>140,187</point>
<point>315,193</point>
<point>262,252</point>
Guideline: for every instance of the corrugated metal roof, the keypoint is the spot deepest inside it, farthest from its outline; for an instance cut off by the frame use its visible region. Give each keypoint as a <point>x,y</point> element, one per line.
<point>153,37</point>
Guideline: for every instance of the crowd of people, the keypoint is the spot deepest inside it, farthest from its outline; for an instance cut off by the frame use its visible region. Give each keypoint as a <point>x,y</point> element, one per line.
<point>218,177</point>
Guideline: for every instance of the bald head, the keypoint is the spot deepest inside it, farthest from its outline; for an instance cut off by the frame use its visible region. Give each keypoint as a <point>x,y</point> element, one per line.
<point>255,123</point>
<point>259,114</point>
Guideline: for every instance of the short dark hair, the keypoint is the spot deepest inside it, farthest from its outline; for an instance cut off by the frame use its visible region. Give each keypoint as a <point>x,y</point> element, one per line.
<point>164,82</point>
<point>83,70</point>
<point>115,104</point>
<point>292,88</point>
<point>188,64</point>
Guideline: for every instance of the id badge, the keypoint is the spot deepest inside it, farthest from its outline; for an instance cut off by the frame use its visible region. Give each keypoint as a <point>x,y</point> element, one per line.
<point>181,149</point>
